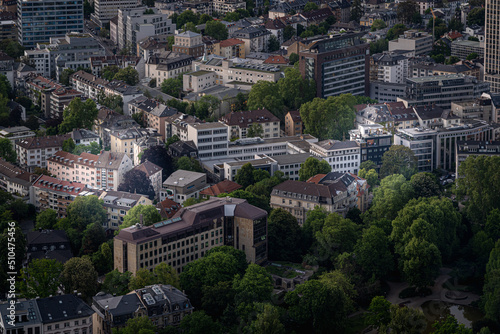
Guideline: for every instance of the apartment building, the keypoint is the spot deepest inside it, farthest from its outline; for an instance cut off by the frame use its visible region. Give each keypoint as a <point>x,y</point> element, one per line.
<point>122,140</point>
<point>191,233</point>
<point>343,156</point>
<point>476,148</point>
<point>227,6</point>
<point>164,305</point>
<point>118,203</point>
<point>135,24</point>
<point>339,64</point>
<point>51,193</point>
<point>335,192</point>
<point>38,21</point>
<point>189,43</point>
<point>424,69</point>
<point>418,42</point>
<point>154,113</point>
<point>48,244</point>
<point>98,64</point>
<point>479,109</point>
<point>108,121</point>
<point>16,133</point>
<point>15,181</point>
<point>239,123</point>
<point>84,137</point>
<point>34,152</point>
<point>111,168</point>
<point>183,184</point>
<point>256,39</point>
<point>105,10</point>
<point>72,51</point>
<point>152,44</point>
<point>211,139</point>
<point>126,92</point>
<point>293,123</point>
<point>389,67</point>
<point>230,48</point>
<point>374,140</point>
<point>8,26</point>
<point>167,65</point>
<point>50,95</point>
<point>153,173</point>
<point>70,167</point>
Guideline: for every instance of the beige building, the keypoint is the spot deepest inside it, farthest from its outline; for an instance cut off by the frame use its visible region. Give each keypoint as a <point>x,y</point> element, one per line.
<point>110,169</point>
<point>70,167</point>
<point>153,113</point>
<point>189,43</point>
<point>228,6</point>
<point>122,140</point>
<point>183,184</point>
<point>166,65</point>
<point>230,48</point>
<point>480,109</point>
<point>154,173</point>
<point>15,181</point>
<point>118,203</point>
<point>191,233</point>
<point>293,123</point>
<point>420,43</point>
<point>33,152</point>
<point>239,123</point>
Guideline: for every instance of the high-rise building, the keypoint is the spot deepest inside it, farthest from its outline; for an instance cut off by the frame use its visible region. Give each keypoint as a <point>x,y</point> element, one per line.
<point>105,10</point>
<point>40,20</point>
<point>338,64</point>
<point>492,45</point>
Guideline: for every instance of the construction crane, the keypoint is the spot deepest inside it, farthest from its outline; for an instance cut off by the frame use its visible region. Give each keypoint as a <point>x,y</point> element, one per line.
<point>433,22</point>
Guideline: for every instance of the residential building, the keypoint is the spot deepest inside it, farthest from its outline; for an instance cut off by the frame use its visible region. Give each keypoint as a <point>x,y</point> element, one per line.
<point>108,121</point>
<point>389,17</point>
<point>88,84</point>
<point>34,152</point>
<point>256,39</point>
<point>341,10</point>
<point>153,173</point>
<point>164,305</point>
<point>15,181</point>
<point>230,48</point>
<point>153,112</point>
<point>374,140</point>
<point>48,244</point>
<point>111,168</point>
<point>189,43</point>
<point>491,48</point>
<point>51,193</point>
<point>70,167</point>
<point>72,51</point>
<point>475,148</point>
<point>342,156</point>
<point>219,221</point>
<point>148,46</point>
<point>338,64</point>
<point>183,184</point>
<point>65,313</point>
<point>424,69</point>
<point>84,137</point>
<point>442,90</point>
<point>122,140</point>
<point>167,65</point>
<point>223,187</point>
<point>362,187</point>
<point>7,67</point>
<point>50,95</point>
<point>335,192</point>
<point>183,149</point>
<point>228,6</point>
<point>390,115</point>
<point>135,24</point>
<point>463,48</point>
<point>480,109</point>
<point>168,208</point>
<point>98,64</point>
<point>389,67</point>
<point>8,26</point>
<point>176,125</point>
<point>277,59</point>
<point>16,133</point>
<point>293,123</point>
<point>117,204</point>
<point>276,27</point>
<point>142,144</point>
<point>105,10</point>
<point>38,21</point>
<point>240,122</point>
<point>23,323</point>
<point>419,42</point>
<point>126,92</point>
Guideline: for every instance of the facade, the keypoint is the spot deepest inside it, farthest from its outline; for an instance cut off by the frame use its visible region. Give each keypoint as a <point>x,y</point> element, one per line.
<point>227,6</point>
<point>386,91</point>
<point>15,181</point>
<point>153,112</point>
<point>51,193</point>
<point>167,65</point>
<point>491,48</point>
<point>420,43</point>
<point>163,304</point>
<point>387,67</point>
<point>122,140</point>
<point>425,69</point>
<point>183,184</point>
<point>48,244</point>
<point>211,139</point>
<point>88,84</point>
<point>293,123</point>
<point>111,168</point>
<point>343,156</point>
<point>374,140</point>
<point>230,48</point>
<point>479,109</point>
<point>108,121</point>
<point>240,122</point>
<point>153,173</point>
<point>118,203</point>
<point>8,26</point>
<point>97,64</point>
<point>191,233</point>
<point>462,49</point>
<point>336,192</point>
<point>38,21</point>
<point>256,39</point>
<point>189,43</point>
<point>105,10</point>
<point>16,133</point>
<point>70,167</point>
<point>469,148</point>
<point>338,64</point>
<point>34,152</point>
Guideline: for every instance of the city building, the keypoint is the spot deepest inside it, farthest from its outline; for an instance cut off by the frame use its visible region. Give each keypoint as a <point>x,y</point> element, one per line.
<point>108,121</point>
<point>191,233</point>
<point>84,137</point>
<point>362,187</point>
<point>425,69</point>
<point>34,152</point>
<point>38,21</point>
<point>118,203</point>
<point>105,10</point>
<point>339,64</point>
<point>230,48</point>
<point>98,64</point>
<point>223,187</point>
<point>389,67</point>
<point>463,48</point>
<point>111,168</point>
<point>126,92</point>
<point>22,323</point>
<point>418,42</point>
<point>276,27</point>
<point>16,133</point>
<point>153,173</point>
<point>374,140</point>
<point>469,148</point>
<point>183,149</point>
<point>341,10</point>
<point>240,122</point>
<point>15,181</point>
<point>256,39</point>
<point>154,113</point>
<point>48,244</point>
<point>386,91</point>
<point>150,45</point>
<point>167,65</point>
<point>491,47</point>
<point>8,26</point>
<point>442,90</point>
<point>135,24</point>
<point>183,184</point>
<point>88,84</point>
<point>227,6</point>
<point>335,192</point>
<point>211,139</point>
<point>70,167</point>
<point>189,43</point>
<point>293,123</point>
<point>51,193</point>
<point>479,109</point>
<point>168,208</point>
<point>342,156</point>
<point>123,140</point>
<point>164,305</point>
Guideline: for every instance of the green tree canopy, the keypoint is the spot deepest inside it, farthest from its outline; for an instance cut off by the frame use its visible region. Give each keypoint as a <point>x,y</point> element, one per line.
<point>116,283</point>
<point>378,24</point>
<point>109,72</point>
<point>46,220</point>
<point>425,185</point>
<point>338,235</point>
<point>172,86</point>
<point>312,167</point>
<point>256,285</point>
<point>294,90</point>
<point>450,325</point>
<point>79,274</point>
<point>371,176</point>
<point>273,44</point>
<point>244,176</point>
<point>265,94</point>
<point>150,215</point>
<point>78,115</point>
<point>398,159</point>
<point>373,253</point>
<point>128,74</point>
<point>310,6</point>
<point>199,323</point>
<point>40,278</point>
<point>284,236</point>
<point>406,10</point>
<point>395,31</point>
<point>136,181</point>
<point>93,237</point>
<point>255,130</point>
<point>7,151</point>
<point>217,30</point>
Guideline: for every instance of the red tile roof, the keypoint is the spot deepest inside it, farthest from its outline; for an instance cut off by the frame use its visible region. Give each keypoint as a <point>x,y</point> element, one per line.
<point>168,208</point>
<point>50,183</point>
<point>230,42</point>
<point>222,187</point>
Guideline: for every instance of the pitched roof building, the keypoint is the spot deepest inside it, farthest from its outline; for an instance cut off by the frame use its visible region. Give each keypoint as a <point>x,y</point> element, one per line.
<point>240,122</point>
<point>33,152</point>
<point>223,187</point>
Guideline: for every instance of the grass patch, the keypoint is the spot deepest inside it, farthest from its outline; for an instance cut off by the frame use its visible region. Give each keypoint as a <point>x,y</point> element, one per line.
<point>356,324</point>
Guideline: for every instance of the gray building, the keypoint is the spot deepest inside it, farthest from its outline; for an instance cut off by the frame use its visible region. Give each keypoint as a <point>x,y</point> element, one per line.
<point>469,148</point>
<point>462,49</point>
<point>40,20</point>
<point>420,43</point>
<point>183,184</point>
<point>386,91</point>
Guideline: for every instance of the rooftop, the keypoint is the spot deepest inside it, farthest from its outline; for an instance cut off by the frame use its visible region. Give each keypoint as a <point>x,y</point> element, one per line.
<point>181,178</point>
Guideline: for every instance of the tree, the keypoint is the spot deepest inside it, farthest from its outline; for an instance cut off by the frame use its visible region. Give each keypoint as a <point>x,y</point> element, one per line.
<point>450,326</point>
<point>379,46</point>
<point>265,94</point>
<point>371,176</point>
<point>79,274</point>
<point>310,6</point>
<point>390,197</point>
<point>284,236</point>
<point>78,115</point>
<point>378,24</point>
<point>136,182</point>
<point>204,18</point>
<point>12,48</point>
<point>289,32</point>
<point>379,313</point>
<point>273,44</point>
<point>116,283</point>
<point>190,26</point>
<point>172,140</point>
<point>373,253</point>
<point>492,226</point>
<point>472,56</point>
<point>232,17</point>
<point>407,320</point>
<point>399,159</point>
<point>452,60</point>
<point>255,130</point>
<point>129,75</point>
<point>40,278</point>
<point>256,285</point>
<point>244,176</point>
<point>396,31</point>
<point>68,145</point>
<point>267,320</point>
<point>41,171</point>
<point>406,10</point>
<point>148,213</point>
<point>114,102</point>
<point>338,235</point>
<point>312,167</point>
<point>160,157</point>
<point>199,323</point>
<point>293,57</point>
<point>64,77</point>
<point>217,30</point>
<point>421,263</point>
<point>103,258</point>
<point>205,107</point>
<point>172,86</point>
<point>139,325</point>
<point>455,25</point>
<point>476,16</point>
<point>46,220</point>
<point>109,72</point>
<point>356,10</point>
<point>93,237</point>
<point>142,278</point>
<point>167,275</point>
<point>425,185</point>
<point>92,148</point>
<point>185,17</point>
<point>294,90</point>
<point>6,150</point>
<point>329,118</point>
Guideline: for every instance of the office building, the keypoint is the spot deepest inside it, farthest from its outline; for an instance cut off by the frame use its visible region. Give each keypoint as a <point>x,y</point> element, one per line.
<point>339,64</point>
<point>479,109</point>
<point>342,156</point>
<point>191,233</point>
<point>105,10</point>
<point>38,21</point>
<point>374,140</point>
<point>189,43</point>
<point>389,67</point>
<point>491,45</point>
<point>462,49</point>
<point>417,42</point>
<point>8,26</point>
<point>469,148</point>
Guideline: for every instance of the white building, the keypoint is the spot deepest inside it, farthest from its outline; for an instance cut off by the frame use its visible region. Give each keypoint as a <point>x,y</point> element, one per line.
<point>420,43</point>
<point>391,68</point>
<point>183,184</point>
<point>111,168</point>
<point>167,65</point>
<point>105,10</point>
<point>211,139</point>
<point>34,152</point>
<point>343,156</point>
